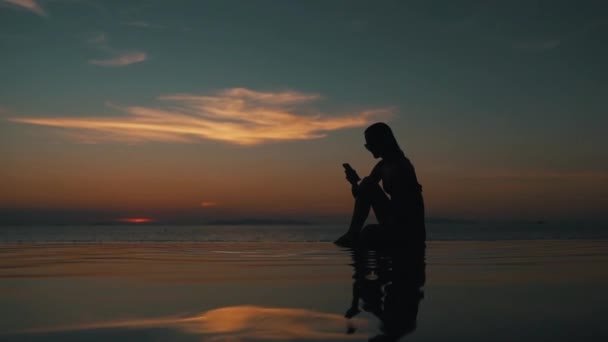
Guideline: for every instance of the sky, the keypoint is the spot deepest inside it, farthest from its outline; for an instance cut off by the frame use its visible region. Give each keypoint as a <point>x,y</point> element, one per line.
<point>232,109</point>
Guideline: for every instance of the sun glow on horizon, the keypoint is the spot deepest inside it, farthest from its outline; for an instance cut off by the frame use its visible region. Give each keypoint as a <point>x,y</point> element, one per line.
<point>135,220</point>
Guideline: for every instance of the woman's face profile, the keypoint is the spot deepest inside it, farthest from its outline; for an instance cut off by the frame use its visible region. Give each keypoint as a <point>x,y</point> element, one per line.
<point>372,147</point>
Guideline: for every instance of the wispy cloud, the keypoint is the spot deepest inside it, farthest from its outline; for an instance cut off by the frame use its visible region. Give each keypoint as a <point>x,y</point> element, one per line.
<point>548,44</point>
<point>125,58</point>
<point>98,40</point>
<point>30,5</point>
<point>118,58</point>
<point>144,25</point>
<point>238,116</point>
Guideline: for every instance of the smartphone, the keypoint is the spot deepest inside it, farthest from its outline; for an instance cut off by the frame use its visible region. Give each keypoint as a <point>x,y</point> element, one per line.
<point>349,168</point>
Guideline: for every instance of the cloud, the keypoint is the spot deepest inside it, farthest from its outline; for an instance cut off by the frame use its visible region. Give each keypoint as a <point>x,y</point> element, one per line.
<point>561,40</point>
<point>237,116</point>
<point>118,58</point>
<point>125,58</point>
<point>30,5</point>
<point>98,40</point>
<point>240,323</point>
<point>144,25</point>
<point>207,204</point>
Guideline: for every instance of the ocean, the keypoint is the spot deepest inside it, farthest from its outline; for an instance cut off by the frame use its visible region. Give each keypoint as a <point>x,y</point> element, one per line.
<point>477,282</point>
<point>491,231</point>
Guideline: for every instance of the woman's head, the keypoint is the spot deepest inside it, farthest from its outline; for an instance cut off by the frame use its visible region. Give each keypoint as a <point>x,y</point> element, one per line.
<point>380,141</point>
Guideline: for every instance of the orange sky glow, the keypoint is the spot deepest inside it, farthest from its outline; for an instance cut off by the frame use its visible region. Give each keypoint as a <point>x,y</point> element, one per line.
<point>135,220</point>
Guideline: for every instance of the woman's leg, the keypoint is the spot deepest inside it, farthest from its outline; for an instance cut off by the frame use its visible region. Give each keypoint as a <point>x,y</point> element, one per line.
<point>369,196</point>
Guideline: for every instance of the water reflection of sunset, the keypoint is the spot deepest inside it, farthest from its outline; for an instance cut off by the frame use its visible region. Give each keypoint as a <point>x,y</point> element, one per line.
<point>246,322</point>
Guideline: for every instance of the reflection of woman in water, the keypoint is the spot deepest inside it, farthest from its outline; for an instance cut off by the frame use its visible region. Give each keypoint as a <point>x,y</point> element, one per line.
<point>400,216</point>
<point>388,284</point>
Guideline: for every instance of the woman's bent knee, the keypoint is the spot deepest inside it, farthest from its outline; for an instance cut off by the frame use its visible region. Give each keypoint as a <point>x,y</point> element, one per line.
<point>368,187</point>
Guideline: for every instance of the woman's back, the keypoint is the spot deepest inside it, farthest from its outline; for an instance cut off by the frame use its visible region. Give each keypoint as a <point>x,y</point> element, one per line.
<point>407,206</point>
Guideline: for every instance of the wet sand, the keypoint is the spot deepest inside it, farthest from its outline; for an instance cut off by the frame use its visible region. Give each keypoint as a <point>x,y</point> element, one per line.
<point>242,291</point>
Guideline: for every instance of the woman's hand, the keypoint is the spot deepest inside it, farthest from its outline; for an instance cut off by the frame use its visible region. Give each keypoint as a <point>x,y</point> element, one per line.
<point>351,176</point>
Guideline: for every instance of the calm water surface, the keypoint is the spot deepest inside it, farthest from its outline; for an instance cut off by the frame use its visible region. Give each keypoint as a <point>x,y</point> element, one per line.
<point>487,231</point>
<point>513,290</point>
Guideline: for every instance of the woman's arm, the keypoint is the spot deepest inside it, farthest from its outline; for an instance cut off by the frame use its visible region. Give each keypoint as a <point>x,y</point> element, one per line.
<point>374,177</point>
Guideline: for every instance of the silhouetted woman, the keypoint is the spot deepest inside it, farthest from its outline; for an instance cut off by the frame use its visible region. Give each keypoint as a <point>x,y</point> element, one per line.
<point>399,208</point>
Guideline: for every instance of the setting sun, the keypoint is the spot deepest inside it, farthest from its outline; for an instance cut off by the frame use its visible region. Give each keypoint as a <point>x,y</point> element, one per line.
<point>135,220</point>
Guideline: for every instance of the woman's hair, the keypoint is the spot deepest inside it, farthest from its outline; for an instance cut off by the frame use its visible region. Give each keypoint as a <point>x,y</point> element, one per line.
<point>380,134</point>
